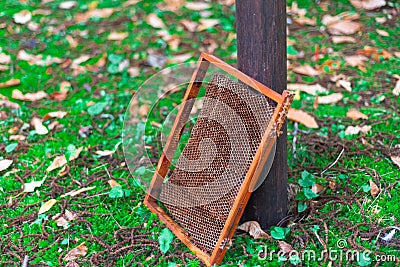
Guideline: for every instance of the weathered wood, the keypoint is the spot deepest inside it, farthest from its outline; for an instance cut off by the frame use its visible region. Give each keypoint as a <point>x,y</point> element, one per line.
<point>261,41</point>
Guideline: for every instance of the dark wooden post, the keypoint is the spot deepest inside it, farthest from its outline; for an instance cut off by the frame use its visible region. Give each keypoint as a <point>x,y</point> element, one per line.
<point>261,45</point>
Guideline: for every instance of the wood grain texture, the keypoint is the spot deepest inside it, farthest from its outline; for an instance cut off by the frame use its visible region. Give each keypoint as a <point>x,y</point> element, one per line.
<point>261,41</point>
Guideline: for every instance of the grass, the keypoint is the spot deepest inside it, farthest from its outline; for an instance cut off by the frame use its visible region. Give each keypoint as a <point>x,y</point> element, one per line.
<point>366,156</point>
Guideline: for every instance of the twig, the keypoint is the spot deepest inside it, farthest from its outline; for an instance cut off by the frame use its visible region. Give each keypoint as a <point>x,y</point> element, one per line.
<point>332,164</point>
<point>25,262</point>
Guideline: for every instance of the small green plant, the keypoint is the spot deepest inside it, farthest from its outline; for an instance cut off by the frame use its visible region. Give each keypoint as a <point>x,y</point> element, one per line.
<point>165,240</point>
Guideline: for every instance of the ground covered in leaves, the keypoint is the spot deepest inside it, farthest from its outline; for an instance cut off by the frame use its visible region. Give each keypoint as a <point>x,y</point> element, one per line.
<point>69,68</point>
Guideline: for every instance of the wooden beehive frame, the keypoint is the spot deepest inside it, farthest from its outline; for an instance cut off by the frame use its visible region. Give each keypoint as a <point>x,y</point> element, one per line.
<point>282,105</point>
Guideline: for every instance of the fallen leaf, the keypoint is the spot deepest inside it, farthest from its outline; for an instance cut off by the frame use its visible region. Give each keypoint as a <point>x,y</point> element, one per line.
<point>396,160</point>
<point>117,36</point>
<point>368,4</point>
<point>197,6</point>
<point>17,94</point>
<point>144,110</point>
<point>76,155</point>
<point>344,27</point>
<point>302,117</point>
<point>105,152</point>
<point>5,59</point>
<point>309,89</point>
<point>382,33</point>
<point>330,99</point>
<point>5,163</point>
<point>179,58</point>
<point>207,23</point>
<point>77,192</point>
<point>4,68</point>
<point>22,17</point>
<point>4,102</point>
<point>55,114</point>
<point>356,60</point>
<point>316,188</point>
<point>47,206</point>
<point>306,70</point>
<point>396,90</point>
<point>58,162</point>
<point>39,127</point>
<point>38,59</point>
<point>356,115</point>
<point>374,53</point>
<point>113,183</point>
<point>133,71</point>
<point>285,247</point>
<point>343,39</point>
<point>99,13</point>
<point>172,5</point>
<point>130,3</point>
<point>79,251</point>
<point>344,16</point>
<point>254,229</point>
<point>33,26</point>
<point>67,5</point>
<point>301,20</point>
<point>345,84</point>
<point>64,219</point>
<point>17,137</point>
<point>71,41</point>
<point>81,59</point>
<point>30,187</point>
<point>154,21</point>
<point>191,26</point>
<point>9,83</point>
<point>85,131</point>
<point>350,130</point>
<point>374,189</point>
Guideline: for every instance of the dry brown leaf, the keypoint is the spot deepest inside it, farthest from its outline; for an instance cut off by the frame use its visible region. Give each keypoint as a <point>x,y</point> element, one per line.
<point>356,129</point>
<point>113,183</point>
<point>47,206</point>
<point>356,60</point>
<point>374,189</point>
<point>374,53</point>
<point>154,21</point>
<point>117,36</point>
<point>344,27</point>
<point>17,137</point>
<point>9,83</point>
<point>5,59</point>
<point>306,70</point>
<point>67,5</point>
<point>72,264</point>
<point>254,229</point>
<point>72,42</point>
<point>81,59</point>
<point>197,6</point>
<point>38,59</point>
<point>130,3</point>
<point>77,192</point>
<point>79,251</point>
<point>207,23</point>
<point>356,115</point>
<point>39,127</point>
<point>8,104</point>
<point>99,13</point>
<point>76,155</point>
<point>302,117</point>
<point>343,39</point>
<point>133,71</point>
<point>285,247</point>
<point>316,188</point>
<point>55,114</point>
<point>330,99</point>
<point>191,26</point>
<point>5,163</point>
<point>105,153</point>
<point>144,110</point>
<point>179,58</point>
<point>58,162</point>
<point>22,17</point>
<point>345,84</point>
<point>64,219</point>
<point>17,94</point>
<point>382,33</point>
<point>368,4</point>
<point>396,90</point>
<point>345,16</point>
<point>313,89</point>
<point>171,5</point>
<point>4,68</point>
<point>305,21</point>
<point>396,160</point>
